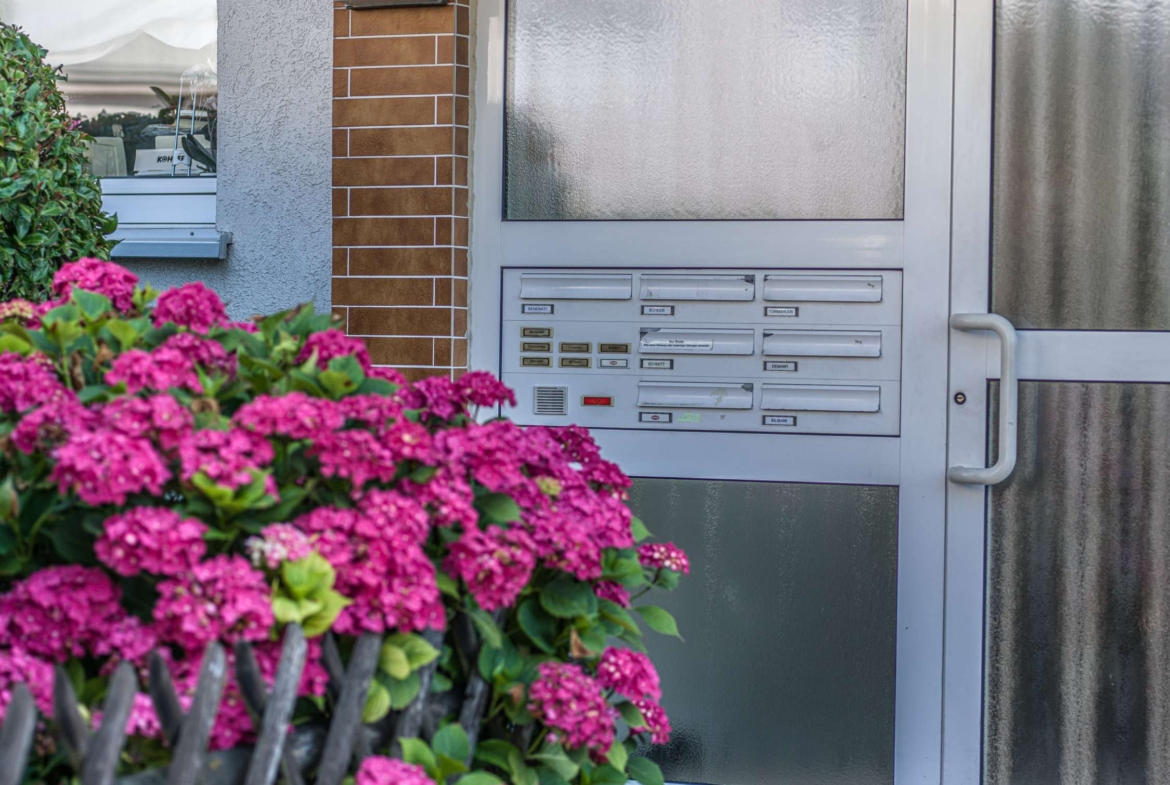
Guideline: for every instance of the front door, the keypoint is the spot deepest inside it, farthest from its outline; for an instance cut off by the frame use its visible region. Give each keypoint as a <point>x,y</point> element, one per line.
<point>749,202</point>
<point>1058,574</point>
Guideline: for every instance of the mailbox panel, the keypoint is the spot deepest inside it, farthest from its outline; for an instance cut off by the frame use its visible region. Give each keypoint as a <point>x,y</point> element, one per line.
<point>763,351</point>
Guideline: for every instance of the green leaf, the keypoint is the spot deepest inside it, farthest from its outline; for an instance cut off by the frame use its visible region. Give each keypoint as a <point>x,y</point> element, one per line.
<point>565,598</point>
<point>448,766</point>
<point>617,755</point>
<point>645,771</point>
<point>287,610</point>
<point>608,775</point>
<point>418,651</point>
<point>417,752</point>
<point>394,662</point>
<point>639,529</point>
<point>124,332</point>
<point>549,776</point>
<point>335,383</point>
<point>632,715</point>
<point>332,604</point>
<point>659,620</point>
<point>498,508</point>
<point>488,629</point>
<point>447,584</point>
<point>478,778</point>
<point>377,703</point>
<point>452,740</point>
<point>554,757</point>
<point>403,692</point>
<point>93,305</point>
<point>495,752</point>
<point>619,616</point>
<point>539,626</point>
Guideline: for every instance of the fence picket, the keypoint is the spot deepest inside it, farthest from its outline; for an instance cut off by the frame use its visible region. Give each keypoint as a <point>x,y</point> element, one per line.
<point>196,729</point>
<point>277,710</point>
<point>347,716</point>
<point>164,698</point>
<point>16,735</point>
<point>74,731</point>
<point>101,759</point>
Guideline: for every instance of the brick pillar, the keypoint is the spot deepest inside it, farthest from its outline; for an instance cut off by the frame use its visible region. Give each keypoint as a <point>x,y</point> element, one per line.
<point>400,145</point>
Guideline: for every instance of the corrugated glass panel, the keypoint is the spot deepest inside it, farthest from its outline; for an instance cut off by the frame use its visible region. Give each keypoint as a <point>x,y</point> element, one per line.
<point>1078,636</point>
<point>1081,224</point>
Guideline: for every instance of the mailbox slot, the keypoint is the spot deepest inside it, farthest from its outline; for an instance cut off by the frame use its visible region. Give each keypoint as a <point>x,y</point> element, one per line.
<point>682,340</point>
<point>695,395</point>
<point>552,286</point>
<point>823,288</point>
<point>821,398</point>
<point>732,288</point>
<point>822,343</point>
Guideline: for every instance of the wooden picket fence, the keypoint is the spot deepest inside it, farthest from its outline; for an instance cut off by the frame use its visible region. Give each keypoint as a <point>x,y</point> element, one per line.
<point>319,753</point>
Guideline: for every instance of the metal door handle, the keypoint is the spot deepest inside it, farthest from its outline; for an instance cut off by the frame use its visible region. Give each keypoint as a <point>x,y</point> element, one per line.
<point>1009,394</point>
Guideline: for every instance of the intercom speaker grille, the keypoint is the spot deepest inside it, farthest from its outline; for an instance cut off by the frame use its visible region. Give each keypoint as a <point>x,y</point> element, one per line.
<point>550,401</point>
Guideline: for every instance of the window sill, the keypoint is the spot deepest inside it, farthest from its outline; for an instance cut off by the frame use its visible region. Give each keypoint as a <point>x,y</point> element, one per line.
<point>164,218</point>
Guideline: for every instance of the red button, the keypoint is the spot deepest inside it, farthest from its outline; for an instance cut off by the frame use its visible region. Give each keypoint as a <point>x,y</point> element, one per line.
<point>593,400</point>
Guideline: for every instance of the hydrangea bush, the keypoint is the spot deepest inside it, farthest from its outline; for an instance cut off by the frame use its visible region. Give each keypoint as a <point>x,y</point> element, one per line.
<point>169,479</point>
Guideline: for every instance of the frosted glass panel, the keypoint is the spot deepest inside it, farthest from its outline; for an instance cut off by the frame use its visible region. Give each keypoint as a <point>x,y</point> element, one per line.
<point>1078,642</point>
<point>705,109</point>
<point>1081,226</point>
<point>787,672</point>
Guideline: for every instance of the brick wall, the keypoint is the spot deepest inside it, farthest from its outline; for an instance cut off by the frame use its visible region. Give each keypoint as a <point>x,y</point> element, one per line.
<point>400,147</point>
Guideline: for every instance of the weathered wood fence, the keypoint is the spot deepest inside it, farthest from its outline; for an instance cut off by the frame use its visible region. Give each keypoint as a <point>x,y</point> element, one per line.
<point>317,753</point>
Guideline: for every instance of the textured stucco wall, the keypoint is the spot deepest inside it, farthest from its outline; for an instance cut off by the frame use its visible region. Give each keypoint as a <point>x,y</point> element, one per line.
<point>275,87</point>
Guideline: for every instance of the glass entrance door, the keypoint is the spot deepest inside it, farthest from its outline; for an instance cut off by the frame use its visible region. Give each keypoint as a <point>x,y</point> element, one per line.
<point>1058,618</point>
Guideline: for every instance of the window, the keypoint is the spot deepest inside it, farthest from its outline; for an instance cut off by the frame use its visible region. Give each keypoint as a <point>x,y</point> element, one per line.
<point>141,80</point>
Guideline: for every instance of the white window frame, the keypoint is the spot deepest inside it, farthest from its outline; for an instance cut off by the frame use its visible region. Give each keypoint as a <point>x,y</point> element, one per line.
<point>919,245</point>
<point>164,217</point>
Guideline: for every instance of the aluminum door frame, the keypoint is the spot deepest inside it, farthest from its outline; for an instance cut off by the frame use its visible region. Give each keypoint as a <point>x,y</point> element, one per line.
<point>919,245</point>
<point>1043,355</point>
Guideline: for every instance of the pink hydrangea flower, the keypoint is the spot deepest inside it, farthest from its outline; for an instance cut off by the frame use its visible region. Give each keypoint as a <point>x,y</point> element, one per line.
<point>377,770</point>
<point>483,389</point>
<point>373,410</point>
<point>225,457</point>
<point>104,467</point>
<point>380,566</point>
<point>51,425</point>
<point>93,275</point>
<point>126,639</point>
<point>664,556</point>
<point>25,383</point>
<point>437,397</point>
<point>150,539</point>
<point>657,723</point>
<point>396,512</point>
<point>143,722</point>
<point>277,544</point>
<point>203,351</point>
<point>192,305</point>
<point>386,374</point>
<point>159,370</point>
<point>628,673</point>
<point>159,417</point>
<point>221,599</point>
<point>612,591</point>
<point>19,667</point>
<point>294,415</point>
<point>494,563</point>
<point>58,612</point>
<point>565,699</point>
<point>447,496</point>
<point>355,455</point>
<point>334,343</point>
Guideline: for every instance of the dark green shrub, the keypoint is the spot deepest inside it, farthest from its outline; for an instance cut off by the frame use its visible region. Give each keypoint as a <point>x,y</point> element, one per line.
<point>50,206</point>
